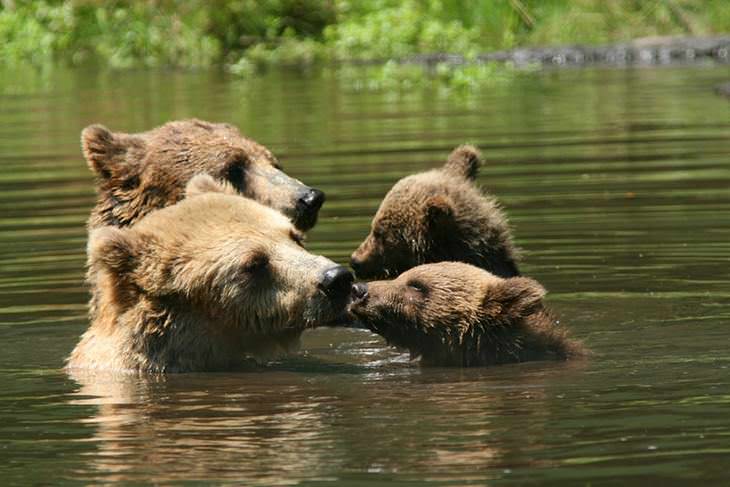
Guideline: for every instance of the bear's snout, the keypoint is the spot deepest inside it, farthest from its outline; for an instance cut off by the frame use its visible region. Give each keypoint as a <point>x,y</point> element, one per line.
<point>336,282</point>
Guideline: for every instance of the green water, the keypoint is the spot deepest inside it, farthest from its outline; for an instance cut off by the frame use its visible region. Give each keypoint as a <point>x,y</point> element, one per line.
<point>618,186</point>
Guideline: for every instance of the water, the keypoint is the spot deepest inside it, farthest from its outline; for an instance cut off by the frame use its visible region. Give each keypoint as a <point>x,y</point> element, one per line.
<point>618,186</point>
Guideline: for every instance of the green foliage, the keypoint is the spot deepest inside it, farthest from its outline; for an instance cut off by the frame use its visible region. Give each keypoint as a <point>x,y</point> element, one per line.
<point>241,24</point>
<point>601,21</point>
<point>120,34</point>
<point>390,28</point>
<point>35,32</point>
<point>141,35</point>
<point>245,35</point>
<point>395,29</point>
<point>445,79</point>
<point>287,52</point>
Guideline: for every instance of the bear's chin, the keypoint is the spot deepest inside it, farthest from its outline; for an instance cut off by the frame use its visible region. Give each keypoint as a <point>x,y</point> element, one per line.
<point>304,221</point>
<point>327,313</point>
<point>368,319</point>
<point>335,320</point>
<point>357,312</point>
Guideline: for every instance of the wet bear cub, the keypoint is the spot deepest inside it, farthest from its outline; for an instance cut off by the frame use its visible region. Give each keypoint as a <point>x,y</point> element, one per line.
<point>435,216</point>
<point>455,314</point>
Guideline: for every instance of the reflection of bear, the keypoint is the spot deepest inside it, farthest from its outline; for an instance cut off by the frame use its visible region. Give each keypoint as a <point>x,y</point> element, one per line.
<point>196,285</point>
<point>305,423</point>
<point>452,313</point>
<point>245,428</point>
<point>437,216</point>
<point>137,173</point>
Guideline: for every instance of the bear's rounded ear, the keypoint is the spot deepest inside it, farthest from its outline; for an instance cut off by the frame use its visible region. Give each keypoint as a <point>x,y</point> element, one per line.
<point>205,183</point>
<point>464,161</point>
<point>439,211</point>
<point>100,147</point>
<point>105,151</point>
<point>514,298</point>
<point>114,249</point>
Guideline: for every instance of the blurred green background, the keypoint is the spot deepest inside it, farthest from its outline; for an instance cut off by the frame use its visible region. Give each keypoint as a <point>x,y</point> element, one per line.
<point>245,35</point>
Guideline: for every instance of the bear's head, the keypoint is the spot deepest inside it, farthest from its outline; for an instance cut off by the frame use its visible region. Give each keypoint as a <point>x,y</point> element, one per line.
<point>451,313</point>
<point>137,173</point>
<point>213,265</point>
<point>435,216</point>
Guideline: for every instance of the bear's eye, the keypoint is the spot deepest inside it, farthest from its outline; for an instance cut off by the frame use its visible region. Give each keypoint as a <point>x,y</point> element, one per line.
<point>256,264</point>
<point>234,173</point>
<point>130,183</point>
<point>297,237</point>
<point>417,286</point>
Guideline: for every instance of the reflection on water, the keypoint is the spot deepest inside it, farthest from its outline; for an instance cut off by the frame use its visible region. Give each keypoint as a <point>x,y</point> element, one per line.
<point>283,426</point>
<point>186,428</point>
<point>617,183</point>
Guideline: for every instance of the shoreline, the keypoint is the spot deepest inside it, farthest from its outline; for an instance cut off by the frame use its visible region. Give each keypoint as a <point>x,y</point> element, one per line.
<point>646,51</point>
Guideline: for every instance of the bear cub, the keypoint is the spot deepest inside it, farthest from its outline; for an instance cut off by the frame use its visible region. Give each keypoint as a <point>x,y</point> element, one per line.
<point>200,284</point>
<point>138,173</point>
<point>455,314</point>
<point>439,215</point>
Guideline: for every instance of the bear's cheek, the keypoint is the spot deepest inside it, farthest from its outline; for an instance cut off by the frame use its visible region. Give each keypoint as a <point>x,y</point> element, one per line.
<point>397,256</point>
<point>238,290</point>
<point>394,306</point>
<point>412,313</point>
<point>259,304</point>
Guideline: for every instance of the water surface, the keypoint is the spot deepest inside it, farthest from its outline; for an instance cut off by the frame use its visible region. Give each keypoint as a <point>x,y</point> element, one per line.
<point>617,183</point>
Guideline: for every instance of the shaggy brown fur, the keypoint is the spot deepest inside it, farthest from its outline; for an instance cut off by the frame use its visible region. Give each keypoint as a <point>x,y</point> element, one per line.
<point>455,314</point>
<point>436,216</point>
<point>199,284</point>
<point>138,173</point>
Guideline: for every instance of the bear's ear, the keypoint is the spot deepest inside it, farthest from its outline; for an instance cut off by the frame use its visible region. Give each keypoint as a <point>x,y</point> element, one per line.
<point>514,298</point>
<point>464,161</point>
<point>205,183</point>
<point>113,249</point>
<point>105,151</point>
<point>439,212</point>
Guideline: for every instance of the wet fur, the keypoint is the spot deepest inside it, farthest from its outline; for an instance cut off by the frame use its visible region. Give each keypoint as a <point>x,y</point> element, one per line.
<point>143,172</point>
<point>439,215</point>
<point>467,317</point>
<point>200,285</point>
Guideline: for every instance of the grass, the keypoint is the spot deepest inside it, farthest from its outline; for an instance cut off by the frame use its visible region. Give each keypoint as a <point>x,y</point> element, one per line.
<point>247,35</point>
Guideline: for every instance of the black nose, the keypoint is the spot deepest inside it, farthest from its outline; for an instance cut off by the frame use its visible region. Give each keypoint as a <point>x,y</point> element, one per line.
<point>311,200</point>
<point>307,207</point>
<point>359,292</point>
<point>336,282</point>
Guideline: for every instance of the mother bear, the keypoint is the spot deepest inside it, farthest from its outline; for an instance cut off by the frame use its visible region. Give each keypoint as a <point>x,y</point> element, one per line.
<point>138,173</point>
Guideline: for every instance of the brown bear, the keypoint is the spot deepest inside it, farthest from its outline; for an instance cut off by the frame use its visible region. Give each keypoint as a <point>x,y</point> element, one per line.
<point>455,314</point>
<point>138,173</point>
<point>435,216</point>
<point>198,285</point>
